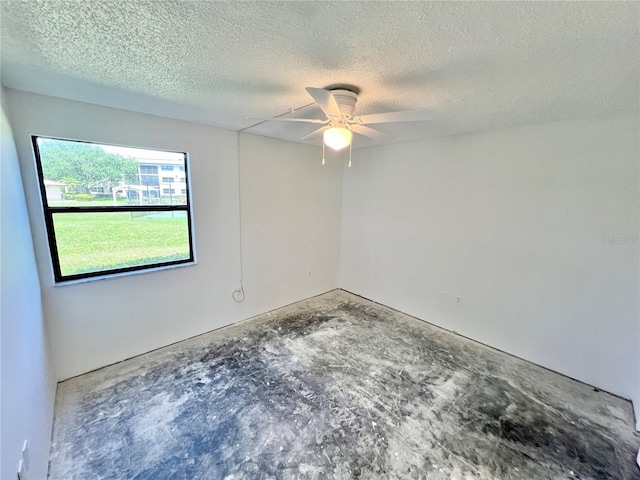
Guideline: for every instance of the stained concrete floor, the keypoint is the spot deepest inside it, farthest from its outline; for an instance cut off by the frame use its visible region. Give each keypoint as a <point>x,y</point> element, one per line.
<point>337,387</point>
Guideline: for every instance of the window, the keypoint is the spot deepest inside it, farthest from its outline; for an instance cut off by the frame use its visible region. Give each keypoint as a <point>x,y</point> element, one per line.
<point>104,212</point>
<point>181,168</point>
<point>168,167</point>
<point>168,179</point>
<point>148,175</point>
<point>183,191</point>
<point>181,179</point>
<point>148,169</point>
<point>149,180</point>
<point>169,191</point>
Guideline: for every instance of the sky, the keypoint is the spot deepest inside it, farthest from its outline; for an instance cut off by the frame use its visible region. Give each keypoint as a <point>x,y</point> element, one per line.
<point>143,153</point>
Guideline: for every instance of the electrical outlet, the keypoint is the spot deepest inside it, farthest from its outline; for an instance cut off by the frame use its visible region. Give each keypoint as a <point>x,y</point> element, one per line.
<point>25,455</point>
<point>22,471</point>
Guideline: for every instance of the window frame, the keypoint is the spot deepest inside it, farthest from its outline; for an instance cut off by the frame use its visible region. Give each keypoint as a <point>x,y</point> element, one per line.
<point>49,211</point>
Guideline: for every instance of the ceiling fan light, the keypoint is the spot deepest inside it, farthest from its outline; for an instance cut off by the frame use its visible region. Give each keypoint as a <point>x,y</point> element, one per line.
<point>337,137</point>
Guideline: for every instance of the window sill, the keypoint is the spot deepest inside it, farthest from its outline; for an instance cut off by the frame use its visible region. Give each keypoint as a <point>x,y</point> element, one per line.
<point>122,274</point>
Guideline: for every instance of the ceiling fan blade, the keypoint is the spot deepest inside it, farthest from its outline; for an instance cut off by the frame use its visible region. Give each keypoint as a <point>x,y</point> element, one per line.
<point>367,132</point>
<point>325,100</point>
<point>315,133</point>
<point>410,116</point>
<point>281,119</point>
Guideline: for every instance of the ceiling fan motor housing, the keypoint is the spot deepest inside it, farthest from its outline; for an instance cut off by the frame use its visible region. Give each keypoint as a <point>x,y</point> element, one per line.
<point>346,100</point>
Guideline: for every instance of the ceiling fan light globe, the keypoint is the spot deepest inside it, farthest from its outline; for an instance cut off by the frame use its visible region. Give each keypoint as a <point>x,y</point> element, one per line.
<point>337,138</point>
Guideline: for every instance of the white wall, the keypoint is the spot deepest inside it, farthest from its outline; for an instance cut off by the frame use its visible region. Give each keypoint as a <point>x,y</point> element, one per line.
<point>28,382</point>
<point>100,322</point>
<point>513,222</point>
<point>291,207</point>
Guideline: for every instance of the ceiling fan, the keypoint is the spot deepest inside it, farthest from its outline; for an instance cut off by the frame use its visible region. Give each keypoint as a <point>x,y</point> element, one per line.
<point>338,104</point>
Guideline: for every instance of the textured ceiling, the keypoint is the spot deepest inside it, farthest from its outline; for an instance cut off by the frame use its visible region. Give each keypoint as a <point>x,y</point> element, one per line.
<point>477,65</point>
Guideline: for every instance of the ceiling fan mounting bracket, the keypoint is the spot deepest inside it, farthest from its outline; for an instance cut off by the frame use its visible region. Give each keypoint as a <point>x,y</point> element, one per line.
<point>346,101</point>
<point>343,86</point>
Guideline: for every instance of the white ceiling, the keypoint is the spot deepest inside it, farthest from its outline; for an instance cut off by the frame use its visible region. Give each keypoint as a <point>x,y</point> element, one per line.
<point>477,65</point>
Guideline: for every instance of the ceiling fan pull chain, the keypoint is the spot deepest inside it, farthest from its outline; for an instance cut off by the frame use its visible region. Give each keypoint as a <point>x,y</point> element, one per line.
<point>322,153</point>
<point>350,147</point>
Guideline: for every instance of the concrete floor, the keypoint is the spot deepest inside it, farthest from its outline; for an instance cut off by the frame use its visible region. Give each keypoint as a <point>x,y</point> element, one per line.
<point>337,387</point>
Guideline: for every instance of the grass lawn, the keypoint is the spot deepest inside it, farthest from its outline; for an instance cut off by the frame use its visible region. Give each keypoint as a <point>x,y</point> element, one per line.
<point>90,242</point>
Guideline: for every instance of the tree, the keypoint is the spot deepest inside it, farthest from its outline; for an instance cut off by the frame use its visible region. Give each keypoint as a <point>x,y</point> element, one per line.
<point>84,164</point>
<point>71,183</point>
